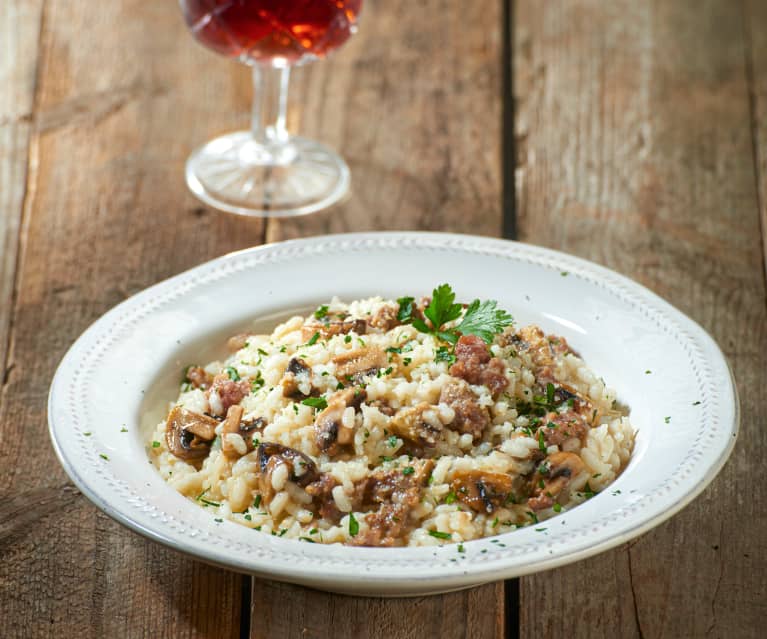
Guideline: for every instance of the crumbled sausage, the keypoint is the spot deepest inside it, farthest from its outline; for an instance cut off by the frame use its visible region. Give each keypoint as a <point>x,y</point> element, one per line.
<point>395,494</point>
<point>470,417</point>
<point>475,365</point>
<point>322,492</point>
<point>225,392</point>
<point>385,318</point>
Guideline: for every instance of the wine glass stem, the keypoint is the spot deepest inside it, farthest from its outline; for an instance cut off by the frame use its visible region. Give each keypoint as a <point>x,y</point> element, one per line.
<point>270,104</point>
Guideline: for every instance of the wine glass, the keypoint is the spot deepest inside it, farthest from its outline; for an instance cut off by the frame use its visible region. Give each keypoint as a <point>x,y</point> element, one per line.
<point>266,171</point>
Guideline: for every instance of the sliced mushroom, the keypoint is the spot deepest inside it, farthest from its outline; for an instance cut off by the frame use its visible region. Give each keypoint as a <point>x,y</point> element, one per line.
<point>355,364</point>
<point>297,381</point>
<point>482,491</point>
<point>331,325</point>
<point>551,477</point>
<point>232,442</point>
<point>237,342</point>
<point>189,435</point>
<point>416,426</point>
<point>197,377</point>
<point>301,469</point>
<point>330,430</point>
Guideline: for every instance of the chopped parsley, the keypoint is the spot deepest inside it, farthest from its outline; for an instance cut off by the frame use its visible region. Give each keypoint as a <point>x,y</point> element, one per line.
<point>348,339</point>
<point>319,403</point>
<point>667,419</point>
<point>460,548</point>
<point>440,535</point>
<point>408,470</point>
<point>248,517</point>
<point>207,502</point>
<point>233,374</point>
<point>257,382</point>
<point>443,354</point>
<point>218,520</point>
<point>541,441</point>
<point>450,498</point>
<point>313,340</point>
<point>103,456</point>
<point>696,403</point>
<point>321,312</point>
<point>354,526</point>
<point>648,372</point>
<point>123,430</point>
<point>257,501</point>
<point>392,441</point>
<point>405,311</point>
<point>87,433</point>
<point>557,508</point>
<point>394,349</point>
<point>156,444</point>
<point>407,361</point>
<point>309,539</point>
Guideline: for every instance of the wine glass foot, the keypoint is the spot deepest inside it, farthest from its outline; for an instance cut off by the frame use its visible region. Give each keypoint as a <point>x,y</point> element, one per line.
<point>234,174</point>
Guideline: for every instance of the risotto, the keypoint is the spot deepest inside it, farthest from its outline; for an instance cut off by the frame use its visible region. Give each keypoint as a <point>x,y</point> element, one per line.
<point>393,423</point>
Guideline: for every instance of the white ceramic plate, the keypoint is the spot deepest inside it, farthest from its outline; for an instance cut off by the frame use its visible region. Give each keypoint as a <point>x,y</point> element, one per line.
<point>123,370</point>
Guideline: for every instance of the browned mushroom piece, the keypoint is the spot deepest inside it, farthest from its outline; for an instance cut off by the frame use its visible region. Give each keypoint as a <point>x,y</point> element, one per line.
<point>189,435</point>
<point>297,374</point>
<point>470,417</point>
<point>551,477</point>
<point>237,342</point>
<point>231,426</point>
<point>197,377</point>
<point>323,502</point>
<point>411,424</point>
<point>356,364</point>
<point>330,432</point>
<point>301,469</point>
<point>482,491</point>
<point>331,325</point>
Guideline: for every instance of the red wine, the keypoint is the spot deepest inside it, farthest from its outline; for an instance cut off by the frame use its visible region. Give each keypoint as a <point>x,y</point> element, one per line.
<point>265,30</point>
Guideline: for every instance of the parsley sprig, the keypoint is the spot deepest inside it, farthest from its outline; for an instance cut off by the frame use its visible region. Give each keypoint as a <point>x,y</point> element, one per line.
<point>483,319</point>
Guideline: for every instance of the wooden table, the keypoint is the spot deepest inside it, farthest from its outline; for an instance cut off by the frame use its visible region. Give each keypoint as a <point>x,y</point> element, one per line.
<point>630,133</point>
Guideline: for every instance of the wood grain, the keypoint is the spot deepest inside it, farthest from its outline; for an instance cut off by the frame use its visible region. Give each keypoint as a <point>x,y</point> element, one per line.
<point>119,106</point>
<point>755,28</point>
<point>414,106</point>
<point>636,151</point>
<point>19,39</point>
<point>282,610</point>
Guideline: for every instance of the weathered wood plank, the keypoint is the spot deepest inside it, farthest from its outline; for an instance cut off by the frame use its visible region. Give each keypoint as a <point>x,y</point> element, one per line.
<point>282,610</point>
<point>635,150</point>
<point>755,24</point>
<point>123,96</point>
<point>19,47</point>
<point>414,106</point>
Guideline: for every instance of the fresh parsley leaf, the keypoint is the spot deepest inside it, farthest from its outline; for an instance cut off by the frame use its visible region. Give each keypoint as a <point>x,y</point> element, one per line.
<point>442,308</point>
<point>321,312</point>
<point>354,526</point>
<point>484,319</point>
<point>319,403</point>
